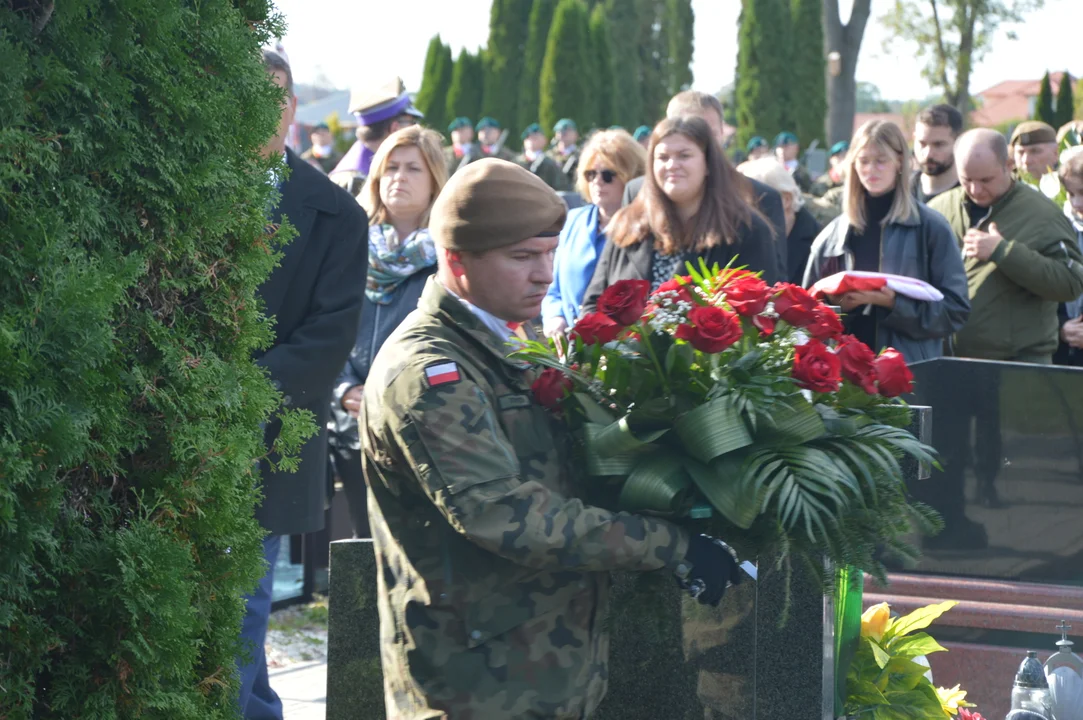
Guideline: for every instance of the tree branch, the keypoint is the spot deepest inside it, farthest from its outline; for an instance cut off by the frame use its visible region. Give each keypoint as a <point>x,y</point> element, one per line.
<point>855,29</point>
<point>942,64</point>
<point>832,24</point>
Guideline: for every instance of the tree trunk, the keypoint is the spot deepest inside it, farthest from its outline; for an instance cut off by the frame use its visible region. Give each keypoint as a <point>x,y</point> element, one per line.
<point>842,89</point>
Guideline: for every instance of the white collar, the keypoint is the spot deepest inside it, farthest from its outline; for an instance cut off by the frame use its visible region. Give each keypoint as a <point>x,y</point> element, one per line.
<point>498,327</point>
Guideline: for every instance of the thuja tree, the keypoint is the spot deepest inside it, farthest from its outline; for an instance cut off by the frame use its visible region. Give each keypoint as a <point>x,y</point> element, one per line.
<point>132,241</point>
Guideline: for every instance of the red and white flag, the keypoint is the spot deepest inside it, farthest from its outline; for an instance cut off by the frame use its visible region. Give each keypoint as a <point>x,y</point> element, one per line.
<point>442,373</point>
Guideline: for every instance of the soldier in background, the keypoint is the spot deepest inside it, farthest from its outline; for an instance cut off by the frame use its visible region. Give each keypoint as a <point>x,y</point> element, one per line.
<point>1034,149</point>
<point>642,135</point>
<point>788,151</point>
<point>836,174</point>
<point>322,154</point>
<point>492,575</point>
<point>492,138</point>
<point>534,159</point>
<point>462,150</point>
<point>565,152</point>
<point>757,148</point>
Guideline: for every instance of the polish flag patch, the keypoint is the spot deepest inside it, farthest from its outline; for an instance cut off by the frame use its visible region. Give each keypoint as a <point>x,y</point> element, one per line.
<point>442,373</point>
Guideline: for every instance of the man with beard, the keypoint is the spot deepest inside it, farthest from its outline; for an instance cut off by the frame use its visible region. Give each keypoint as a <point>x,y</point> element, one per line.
<point>934,149</point>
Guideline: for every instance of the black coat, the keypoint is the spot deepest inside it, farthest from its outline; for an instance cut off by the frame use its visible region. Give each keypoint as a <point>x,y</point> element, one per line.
<point>755,249</point>
<point>768,202</point>
<point>315,296</point>
<point>799,243</point>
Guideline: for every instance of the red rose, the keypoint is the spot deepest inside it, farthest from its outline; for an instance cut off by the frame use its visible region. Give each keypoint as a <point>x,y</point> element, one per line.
<point>764,324</point>
<point>681,284</point>
<point>892,375</point>
<point>857,363</point>
<point>825,323</point>
<point>624,301</point>
<point>747,295</point>
<point>816,368</point>
<point>794,304</point>
<point>550,388</point>
<point>596,329</point>
<point>711,329</point>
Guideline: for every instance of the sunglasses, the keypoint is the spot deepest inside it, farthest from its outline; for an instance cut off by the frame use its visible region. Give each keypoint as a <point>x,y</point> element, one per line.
<point>608,176</point>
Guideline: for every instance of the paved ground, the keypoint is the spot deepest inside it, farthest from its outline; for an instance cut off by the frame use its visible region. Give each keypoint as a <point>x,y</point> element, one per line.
<point>297,659</point>
<point>303,689</point>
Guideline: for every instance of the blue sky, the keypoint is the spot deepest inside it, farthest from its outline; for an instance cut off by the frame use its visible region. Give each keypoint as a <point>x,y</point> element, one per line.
<point>346,41</point>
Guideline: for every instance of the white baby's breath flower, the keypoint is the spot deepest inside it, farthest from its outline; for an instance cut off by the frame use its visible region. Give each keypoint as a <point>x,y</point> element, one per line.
<point>1050,185</point>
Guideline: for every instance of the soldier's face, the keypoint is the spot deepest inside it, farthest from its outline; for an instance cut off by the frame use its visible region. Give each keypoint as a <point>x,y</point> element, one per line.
<point>1036,159</point>
<point>489,135</point>
<point>510,282</point>
<point>462,136</point>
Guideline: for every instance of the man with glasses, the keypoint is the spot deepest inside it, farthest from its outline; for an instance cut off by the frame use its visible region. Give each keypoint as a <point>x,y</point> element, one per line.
<point>380,111</point>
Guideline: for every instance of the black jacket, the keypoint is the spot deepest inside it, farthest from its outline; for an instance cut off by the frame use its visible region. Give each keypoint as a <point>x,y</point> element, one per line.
<point>634,262</point>
<point>376,325</point>
<point>769,202</point>
<point>315,298</point>
<point>798,244</point>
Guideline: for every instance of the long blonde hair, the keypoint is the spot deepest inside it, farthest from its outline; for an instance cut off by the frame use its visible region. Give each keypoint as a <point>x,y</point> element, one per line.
<point>889,138</point>
<point>425,140</point>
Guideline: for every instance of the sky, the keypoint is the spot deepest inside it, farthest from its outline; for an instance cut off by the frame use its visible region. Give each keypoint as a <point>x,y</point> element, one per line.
<point>344,41</point>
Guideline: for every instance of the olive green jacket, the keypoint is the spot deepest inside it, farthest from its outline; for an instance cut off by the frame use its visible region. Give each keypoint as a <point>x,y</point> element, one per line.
<point>492,575</point>
<point>544,167</point>
<point>1014,294</point>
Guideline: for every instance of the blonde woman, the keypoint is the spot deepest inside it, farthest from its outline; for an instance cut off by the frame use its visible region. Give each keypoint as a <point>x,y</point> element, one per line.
<point>407,173</point>
<point>801,226</point>
<point>606,164</point>
<point>883,229</point>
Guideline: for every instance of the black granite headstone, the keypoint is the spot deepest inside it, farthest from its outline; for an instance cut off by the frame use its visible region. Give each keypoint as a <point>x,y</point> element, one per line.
<point>355,688</point>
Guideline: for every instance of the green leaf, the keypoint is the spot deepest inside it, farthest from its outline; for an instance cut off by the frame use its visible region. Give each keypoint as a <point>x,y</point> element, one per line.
<point>724,485</point>
<point>712,429</point>
<point>910,646</point>
<point>792,421</point>
<point>917,620</point>
<point>594,412</point>
<point>882,658</point>
<point>863,693</point>
<point>602,465</point>
<point>658,484</point>
<point>619,439</point>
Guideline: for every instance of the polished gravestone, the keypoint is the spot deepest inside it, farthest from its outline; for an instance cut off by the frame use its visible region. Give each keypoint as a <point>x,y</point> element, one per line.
<point>354,679</point>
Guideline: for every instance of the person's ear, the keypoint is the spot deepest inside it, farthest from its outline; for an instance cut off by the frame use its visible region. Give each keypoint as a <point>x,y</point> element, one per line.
<point>455,262</point>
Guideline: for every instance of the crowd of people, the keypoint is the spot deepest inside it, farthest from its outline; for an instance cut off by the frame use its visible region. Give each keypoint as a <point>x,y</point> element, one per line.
<point>471,245</point>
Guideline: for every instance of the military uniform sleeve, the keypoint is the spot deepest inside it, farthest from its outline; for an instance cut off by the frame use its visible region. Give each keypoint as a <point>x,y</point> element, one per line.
<point>451,437</point>
<point>1050,266</point>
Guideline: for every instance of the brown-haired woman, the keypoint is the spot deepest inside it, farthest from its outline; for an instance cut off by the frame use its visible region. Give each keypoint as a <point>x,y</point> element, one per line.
<point>690,208</point>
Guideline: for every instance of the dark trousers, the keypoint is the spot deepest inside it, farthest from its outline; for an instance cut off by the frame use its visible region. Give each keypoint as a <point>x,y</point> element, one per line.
<point>258,701</point>
<point>347,465</point>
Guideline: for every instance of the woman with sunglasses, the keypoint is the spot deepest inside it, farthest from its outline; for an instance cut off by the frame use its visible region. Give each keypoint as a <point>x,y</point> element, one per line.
<point>606,164</point>
<point>691,207</point>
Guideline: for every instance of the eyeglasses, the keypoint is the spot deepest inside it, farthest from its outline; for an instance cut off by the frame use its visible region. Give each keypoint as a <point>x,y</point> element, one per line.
<point>608,176</point>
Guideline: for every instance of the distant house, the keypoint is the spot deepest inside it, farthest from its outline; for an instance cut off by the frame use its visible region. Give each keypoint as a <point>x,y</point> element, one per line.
<point>1011,101</point>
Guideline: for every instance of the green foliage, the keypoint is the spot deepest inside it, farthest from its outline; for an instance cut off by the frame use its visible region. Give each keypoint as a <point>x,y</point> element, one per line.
<point>132,212</point>
<point>435,85</point>
<point>541,19</point>
<point>763,70</point>
<point>1065,101</point>
<point>1043,108</point>
<point>653,67</point>
<point>601,48</point>
<point>508,27</point>
<point>808,87</point>
<point>678,28</point>
<point>465,95</point>
<point>1079,100</point>
<point>624,21</point>
<point>565,87</point>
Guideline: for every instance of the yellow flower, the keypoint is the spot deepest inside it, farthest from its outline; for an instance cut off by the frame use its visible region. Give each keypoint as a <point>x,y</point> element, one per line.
<point>875,620</point>
<point>952,700</point>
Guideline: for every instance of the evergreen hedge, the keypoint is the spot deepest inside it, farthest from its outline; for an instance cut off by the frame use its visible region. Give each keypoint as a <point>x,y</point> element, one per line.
<point>132,218</point>
<point>435,84</point>
<point>565,87</point>
<point>762,69</point>
<point>1065,101</point>
<point>807,78</point>
<point>601,51</point>
<point>541,19</point>
<point>1043,108</point>
<point>464,95</point>
<point>508,20</point>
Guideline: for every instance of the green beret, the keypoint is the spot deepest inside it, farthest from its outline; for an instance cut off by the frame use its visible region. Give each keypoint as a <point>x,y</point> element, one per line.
<point>459,122</point>
<point>1033,132</point>
<point>641,132</point>
<point>565,124</point>
<point>842,146</point>
<point>755,142</point>
<point>530,130</point>
<point>491,204</point>
<point>486,122</point>
<point>785,138</point>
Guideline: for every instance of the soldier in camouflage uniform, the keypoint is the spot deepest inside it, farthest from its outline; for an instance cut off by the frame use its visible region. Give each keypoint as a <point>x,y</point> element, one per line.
<point>492,576</point>
<point>534,159</point>
<point>565,151</point>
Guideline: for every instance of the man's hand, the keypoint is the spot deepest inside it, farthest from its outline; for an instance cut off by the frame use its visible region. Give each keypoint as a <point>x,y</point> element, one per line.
<point>351,401</point>
<point>884,297</point>
<point>708,569</point>
<point>1071,332</point>
<point>979,244</point>
<point>555,327</point>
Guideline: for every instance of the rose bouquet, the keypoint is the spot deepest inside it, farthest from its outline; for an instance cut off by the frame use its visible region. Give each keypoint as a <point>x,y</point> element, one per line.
<point>741,410</point>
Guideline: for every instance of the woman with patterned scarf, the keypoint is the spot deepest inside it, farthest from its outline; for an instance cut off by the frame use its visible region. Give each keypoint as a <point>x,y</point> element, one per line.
<point>407,173</point>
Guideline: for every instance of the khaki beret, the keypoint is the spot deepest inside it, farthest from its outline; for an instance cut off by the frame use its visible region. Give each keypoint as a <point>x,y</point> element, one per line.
<point>1033,132</point>
<point>491,204</point>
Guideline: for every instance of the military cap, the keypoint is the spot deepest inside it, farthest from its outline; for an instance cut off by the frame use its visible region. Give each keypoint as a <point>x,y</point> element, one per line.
<point>491,204</point>
<point>842,146</point>
<point>1033,132</point>
<point>459,122</point>
<point>785,138</point>
<point>530,130</point>
<point>389,99</point>
<point>487,122</point>
<point>641,132</point>
<point>565,124</point>
<point>755,142</point>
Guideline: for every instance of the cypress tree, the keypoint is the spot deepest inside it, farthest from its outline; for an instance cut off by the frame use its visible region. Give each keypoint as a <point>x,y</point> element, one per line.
<point>508,25</point>
<point>133,200</point>
<point>762,72</point>
<point>602,70</point>
<point>465,94</point>
<point>808,85</point>
<point>1065,101</point>
<point>435,84</point>
<point>623,17</point>
<point>565,85</point>
<point>541,19</point>
<point>654,67</point>
<point>1043,108</point>
<point>679,28</point>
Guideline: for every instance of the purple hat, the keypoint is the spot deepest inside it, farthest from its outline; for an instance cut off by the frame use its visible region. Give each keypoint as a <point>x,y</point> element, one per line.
<point>383,102</point>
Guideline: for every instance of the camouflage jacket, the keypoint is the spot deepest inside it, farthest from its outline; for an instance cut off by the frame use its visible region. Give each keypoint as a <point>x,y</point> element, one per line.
<point>493,580</point>
<point>568,164</point>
